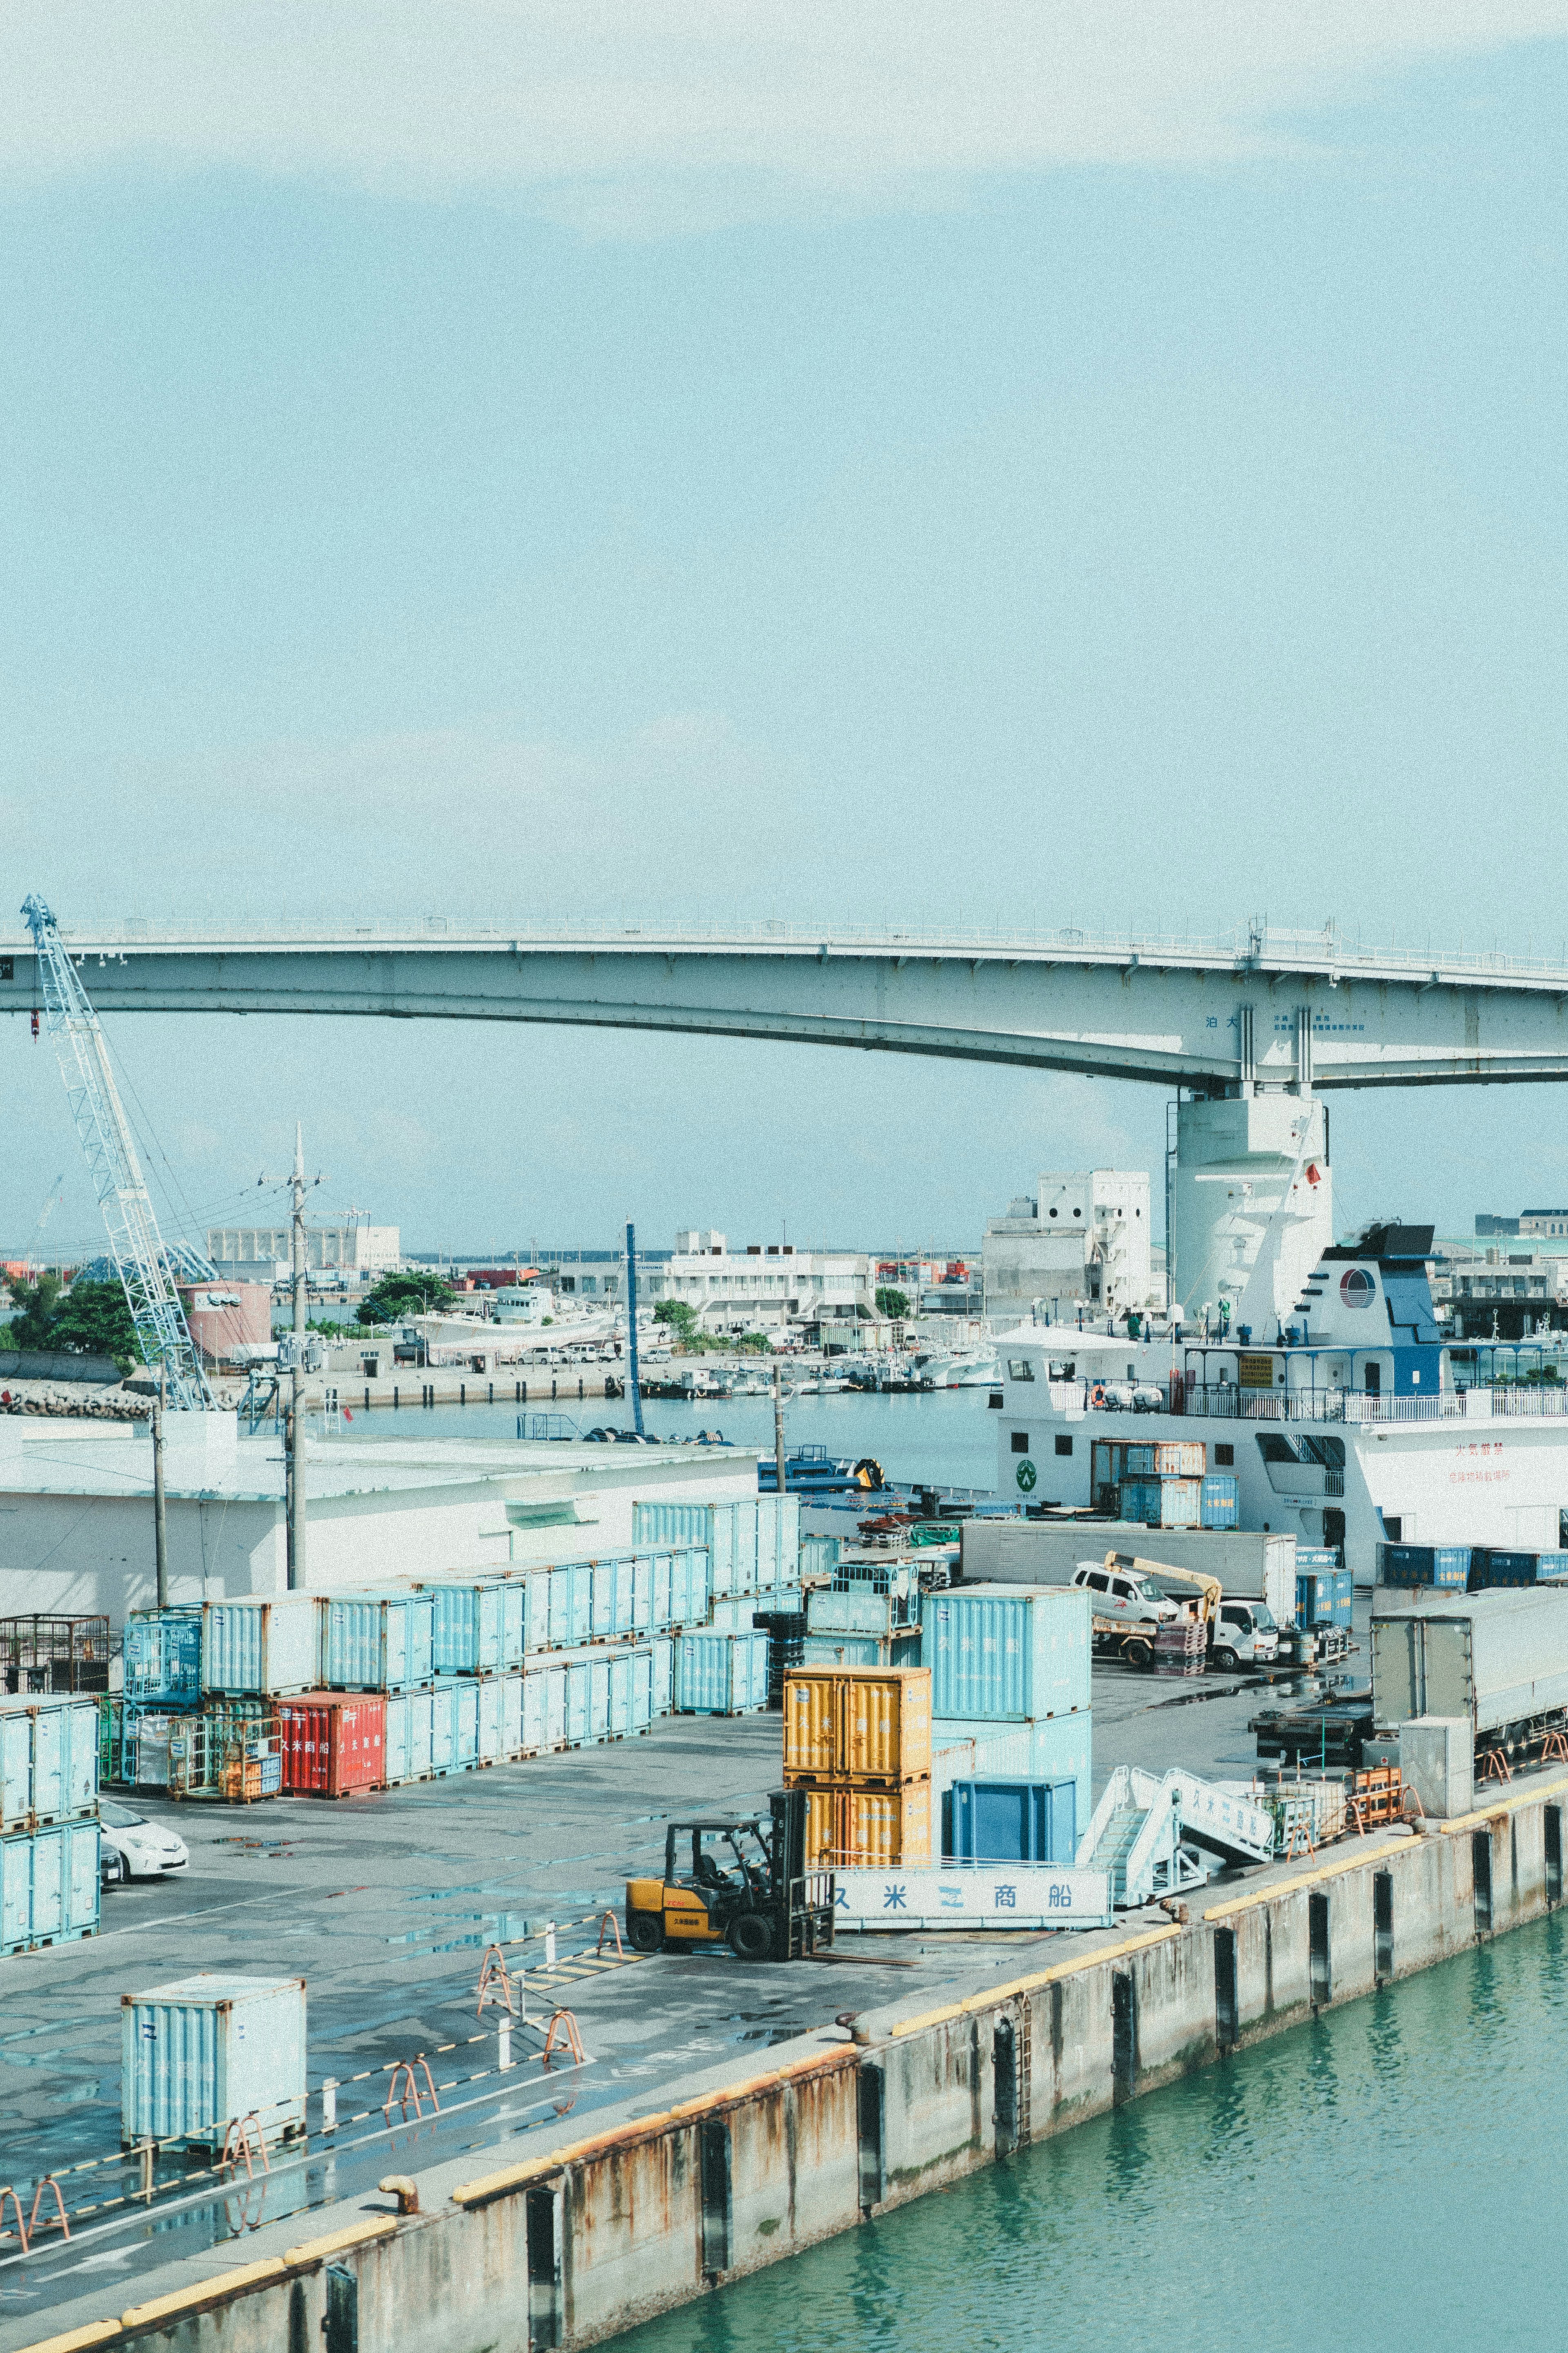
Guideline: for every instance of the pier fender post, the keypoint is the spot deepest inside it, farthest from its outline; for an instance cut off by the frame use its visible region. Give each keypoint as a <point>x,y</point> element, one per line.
<point>871,2111</point>
<point>545,2223</point>
<point>1123,2036</point>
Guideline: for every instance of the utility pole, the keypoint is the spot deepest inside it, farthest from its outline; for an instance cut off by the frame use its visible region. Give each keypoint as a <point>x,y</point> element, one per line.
<point>294,1467</point>
<point>159,1518</point>
<point>633,1381</point>
<point>778,1425</point>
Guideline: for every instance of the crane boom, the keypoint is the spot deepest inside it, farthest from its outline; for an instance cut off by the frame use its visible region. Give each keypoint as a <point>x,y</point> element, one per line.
<point>136,1244</point>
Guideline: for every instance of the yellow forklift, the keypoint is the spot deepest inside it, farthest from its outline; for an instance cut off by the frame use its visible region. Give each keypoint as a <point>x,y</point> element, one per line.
<point>741,1881</point>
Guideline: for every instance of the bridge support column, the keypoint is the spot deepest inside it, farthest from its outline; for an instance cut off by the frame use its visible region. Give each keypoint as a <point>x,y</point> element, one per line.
<point>1251,1205</point>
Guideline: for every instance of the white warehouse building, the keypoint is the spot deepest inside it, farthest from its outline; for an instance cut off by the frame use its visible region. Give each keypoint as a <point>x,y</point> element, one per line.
<point>767,1284</point>
<point>1080,1241</point>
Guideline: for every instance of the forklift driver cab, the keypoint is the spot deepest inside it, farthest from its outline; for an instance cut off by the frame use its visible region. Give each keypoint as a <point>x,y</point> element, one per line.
<point>740,1883</point>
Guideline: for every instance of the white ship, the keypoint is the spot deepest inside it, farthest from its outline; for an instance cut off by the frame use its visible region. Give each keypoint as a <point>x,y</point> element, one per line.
<point>1347,1426</point>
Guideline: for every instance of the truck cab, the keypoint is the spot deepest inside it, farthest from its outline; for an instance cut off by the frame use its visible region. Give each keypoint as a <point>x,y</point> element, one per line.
<point>1244,1633</point>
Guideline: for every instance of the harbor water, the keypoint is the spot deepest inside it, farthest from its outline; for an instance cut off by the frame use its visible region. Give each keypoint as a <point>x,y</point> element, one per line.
<point>1391,2172</point>
<point>947,1435</point>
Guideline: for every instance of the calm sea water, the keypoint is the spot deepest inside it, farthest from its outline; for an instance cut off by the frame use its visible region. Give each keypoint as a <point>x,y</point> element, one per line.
<point>1388,2177</point>
<point>949,1436</point>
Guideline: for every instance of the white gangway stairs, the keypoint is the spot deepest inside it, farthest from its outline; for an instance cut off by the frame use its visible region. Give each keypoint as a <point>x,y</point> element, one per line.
<point>1153,1834</point>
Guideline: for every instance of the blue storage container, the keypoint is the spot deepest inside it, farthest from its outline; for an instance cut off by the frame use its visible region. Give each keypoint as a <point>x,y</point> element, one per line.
<point>642,1592</point>
<point>1008,1651</point>
<point>1010,1821</point>
<point>264,1646</point>
<point>1220,1505</point>
<point>1163,1502</point>
<point>859,1650</point>
<point>464,1726</point>
<point>163,1655</point>
<point>410,1733</point>
<point>859,1608</point>
<point>444,1728</point>
<point>733,1613</point>
<point>48,1886</point>
<point>571,1603</point>
<point>1057,1748</point>
<point>479,1627</point>
<point>376,1643</point>
<point>642,1686</point>
<point>661,1571</point>
<point>48,1758</point>
<point>621,1702</point>
<point>661,1651</point>
<point>1446,1567</point>
<point>690,1586</point>
<point>751,1542</point>
<point>721,1674</point>
<point>510,1692</point>
<point>490,1729</point>
<point>1324,1596</point>
<point>198,2053</point>
<point>544,1709</point>
<point>1489,1568</point>
<point>819,1557</point>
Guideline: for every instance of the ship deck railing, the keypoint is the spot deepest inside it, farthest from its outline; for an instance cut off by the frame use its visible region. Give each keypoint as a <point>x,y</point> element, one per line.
<point>1224,1401</point>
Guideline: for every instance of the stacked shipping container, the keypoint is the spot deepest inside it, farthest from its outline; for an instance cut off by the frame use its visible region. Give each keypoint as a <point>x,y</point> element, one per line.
<point>48,1819</point>
<point>1010,1688</point>
<point>857,1741</point>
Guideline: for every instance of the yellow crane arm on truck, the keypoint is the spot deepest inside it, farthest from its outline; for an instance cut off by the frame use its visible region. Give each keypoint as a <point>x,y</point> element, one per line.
<point>1209,1588</point>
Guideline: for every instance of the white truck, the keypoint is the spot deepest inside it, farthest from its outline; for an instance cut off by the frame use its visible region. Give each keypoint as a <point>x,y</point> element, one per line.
<point>1129,1605</point>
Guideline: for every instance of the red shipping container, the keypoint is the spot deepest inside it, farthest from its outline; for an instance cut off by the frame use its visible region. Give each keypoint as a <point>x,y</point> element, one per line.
<point>332,1742</point>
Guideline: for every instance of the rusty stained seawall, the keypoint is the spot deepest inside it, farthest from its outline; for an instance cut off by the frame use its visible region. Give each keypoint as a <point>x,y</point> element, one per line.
<point>573,2242</point>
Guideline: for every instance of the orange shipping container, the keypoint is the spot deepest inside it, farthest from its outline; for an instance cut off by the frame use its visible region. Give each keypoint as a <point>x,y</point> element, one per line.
<point>850,1828</point>
<point>863,1723</point>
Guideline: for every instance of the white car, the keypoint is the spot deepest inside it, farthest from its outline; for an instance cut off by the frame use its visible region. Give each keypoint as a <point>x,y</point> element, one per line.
<point>146,1850</point>
<point>1118,1593</point>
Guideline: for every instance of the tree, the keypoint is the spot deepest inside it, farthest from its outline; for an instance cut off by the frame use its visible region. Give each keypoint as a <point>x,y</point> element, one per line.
<point>91,1319</point>
<point>419,1291</point>
<point>893,1305</point>
<point>679,1320</point>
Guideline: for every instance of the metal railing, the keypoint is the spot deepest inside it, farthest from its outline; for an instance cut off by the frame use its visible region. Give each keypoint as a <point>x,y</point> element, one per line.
<point>1224,1401</point>
<point>1249,948</point>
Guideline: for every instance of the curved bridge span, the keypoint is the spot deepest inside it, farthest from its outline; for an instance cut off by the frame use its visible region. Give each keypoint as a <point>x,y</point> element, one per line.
<point>1267,1012</point>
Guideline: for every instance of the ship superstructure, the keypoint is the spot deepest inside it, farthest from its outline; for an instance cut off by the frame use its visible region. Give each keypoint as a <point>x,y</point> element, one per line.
<point>1346,1427</point>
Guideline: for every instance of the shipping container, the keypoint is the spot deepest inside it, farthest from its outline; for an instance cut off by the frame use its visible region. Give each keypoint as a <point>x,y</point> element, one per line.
<point>48,1758</point>
<point>1163,1502</point>
<point>410,1736</point>
<point>1494,1658</point>
<point>332,1742</point>
<point>48,1886</point>
<point>851,1827</point>
<point>163,1655</point>
<point>571,1618</point>
<point>1008,1651</point>
<point>856,1723</point>
<point>860,1650</point>
<point>610,1598</point>
<point>544,1709</point>
<point>721,1674</point>
<point>751,1543</point>
<point>490,1714</point>
<point>204,2052</point>
<point>1251,1564</point>
<point>662,1651</point>
<point>371,1642</point>
<point>479,1625</point>
<point>1010,1821</point>
<point>510,1688</point>
<point>444,1728</point>
<point>690,1586</point>
<point>261,1646</point>
<point>464,1726</point>
<point>1324,1596</point>
<point>1057,1748</point>
<point>819,1557</point>
<point>857,1608</point>
<point>1445,1567</point>
<point>1489,1568</point>
<point>733,1615</point>
<point>1220,1506</point>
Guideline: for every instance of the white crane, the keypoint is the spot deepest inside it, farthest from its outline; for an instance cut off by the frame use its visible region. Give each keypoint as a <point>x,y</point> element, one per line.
<point>136,1244</point>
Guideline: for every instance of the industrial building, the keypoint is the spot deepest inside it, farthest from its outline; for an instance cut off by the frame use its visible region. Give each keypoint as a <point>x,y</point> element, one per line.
<point>1080,1241</point>
<point>77,1517</point>
<point>261,1253</point>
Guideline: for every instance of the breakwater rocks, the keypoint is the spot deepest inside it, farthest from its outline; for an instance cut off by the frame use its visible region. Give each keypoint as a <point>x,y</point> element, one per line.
<point>73,1400</point>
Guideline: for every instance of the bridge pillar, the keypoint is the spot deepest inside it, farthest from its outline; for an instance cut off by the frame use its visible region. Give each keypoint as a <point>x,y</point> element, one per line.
<point>1251,1205</point>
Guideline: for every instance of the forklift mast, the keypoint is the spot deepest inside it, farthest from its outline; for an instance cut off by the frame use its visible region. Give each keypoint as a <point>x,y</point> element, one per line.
<point>789,1838</point>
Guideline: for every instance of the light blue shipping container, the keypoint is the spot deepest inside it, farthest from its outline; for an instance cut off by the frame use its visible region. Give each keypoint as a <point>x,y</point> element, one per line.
<point>662,1578</point>
<point>578,1712</point>
<point>752,1542</point>
<point>571,1603</point>
<point>48,1886</point>
<point>620,1724</point>
<point>778,1541</point>
<point>510,1691</point>
<point>642,1686</point>
<point>489,1702</point>
<point>732,1614</point>
<point>1221,1503</point>
<point>859,1610</point>
<point>1010,1821</point>
<point>819,1556</point>
<point>479,1626</point>
<point>613,1592</point>
<point>410,1729</point>
<point>48,1758</point>
<point>163,1655</point>
<point>378,1644</point>
<point>1008,1651</point>
<point>690,1586</point>
<point>861,1650</point>
<point>261,1646</point>
<point>544,1709</point>
<point>535,1610</point>
<point>444,1728</point>
<point>1163,1502</point>
<point>198,2053</point>
<point>642,1592</point>
<point>661,1650</point>
<point>466,1725</point>
<point>721,1674</point>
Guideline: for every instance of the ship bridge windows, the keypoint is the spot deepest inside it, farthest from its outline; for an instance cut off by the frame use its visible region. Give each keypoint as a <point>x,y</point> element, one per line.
<point>1020,1368</point>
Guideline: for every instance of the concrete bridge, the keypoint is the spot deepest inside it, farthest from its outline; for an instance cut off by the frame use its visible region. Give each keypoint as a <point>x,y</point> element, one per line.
<point>1254,1031</point>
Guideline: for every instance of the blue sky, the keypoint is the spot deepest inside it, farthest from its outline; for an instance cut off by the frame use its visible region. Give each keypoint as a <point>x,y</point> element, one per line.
<point>1100,465</point>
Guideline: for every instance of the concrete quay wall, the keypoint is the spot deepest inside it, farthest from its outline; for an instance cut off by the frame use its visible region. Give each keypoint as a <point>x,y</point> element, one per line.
<point>582,2235</point>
